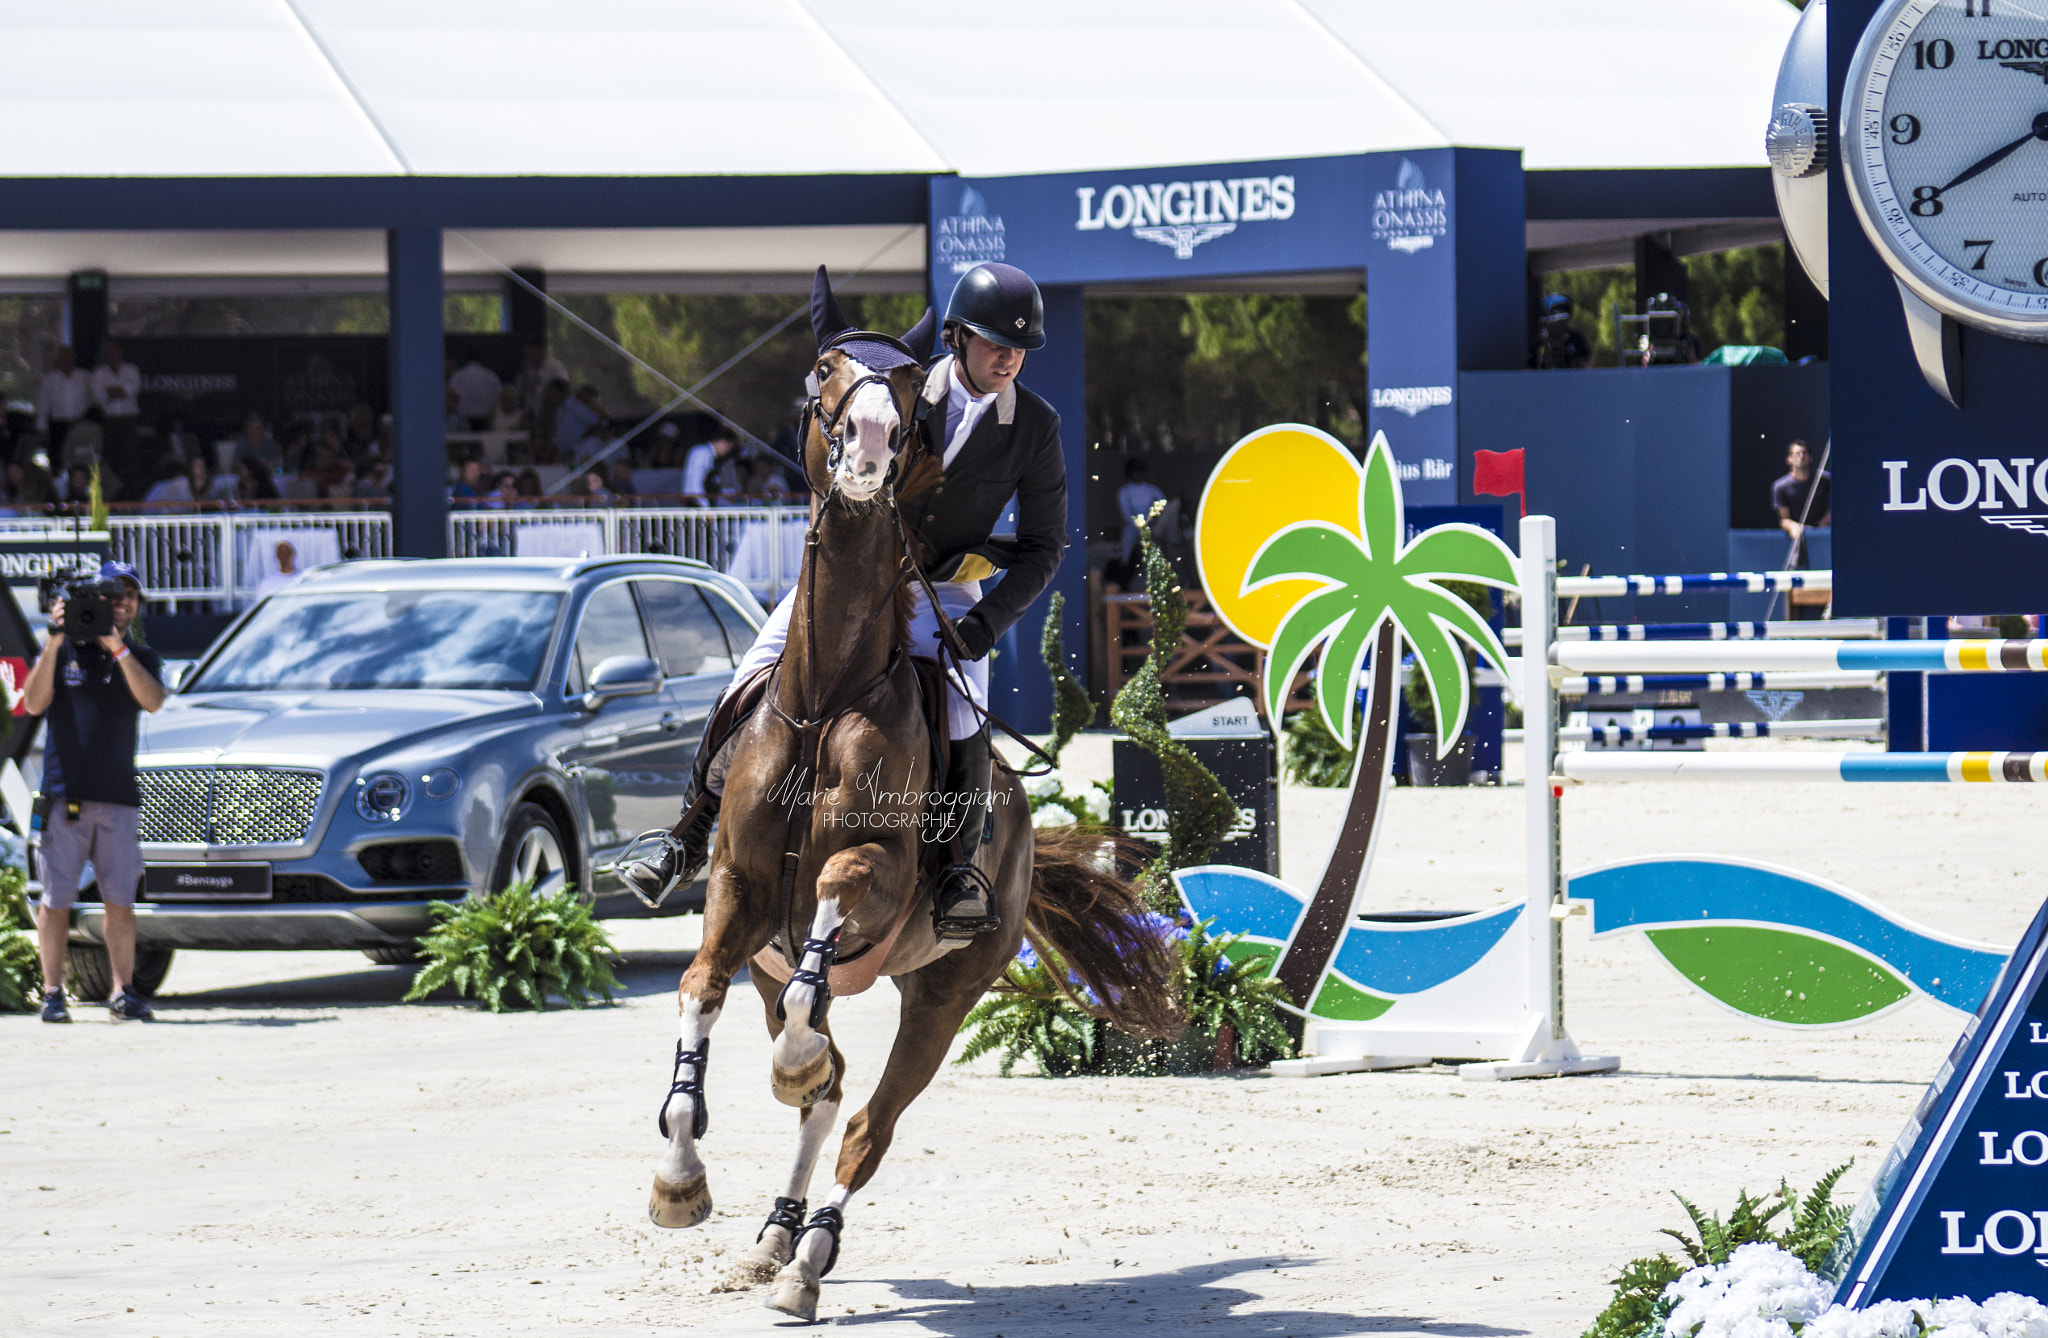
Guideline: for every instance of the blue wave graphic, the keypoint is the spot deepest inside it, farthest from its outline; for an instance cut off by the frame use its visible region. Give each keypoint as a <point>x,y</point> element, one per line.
<point>1386,959</point>
<point>1650,893</point>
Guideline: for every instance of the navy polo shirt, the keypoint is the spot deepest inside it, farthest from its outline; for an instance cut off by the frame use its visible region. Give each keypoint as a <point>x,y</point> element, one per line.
<point>90,750</point>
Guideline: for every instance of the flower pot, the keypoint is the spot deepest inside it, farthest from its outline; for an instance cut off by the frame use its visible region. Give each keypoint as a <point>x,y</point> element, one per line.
<point>1426,768</point>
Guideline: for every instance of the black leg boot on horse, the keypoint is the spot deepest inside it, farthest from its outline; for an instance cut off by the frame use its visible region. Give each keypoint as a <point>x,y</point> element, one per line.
<point>963,899</point>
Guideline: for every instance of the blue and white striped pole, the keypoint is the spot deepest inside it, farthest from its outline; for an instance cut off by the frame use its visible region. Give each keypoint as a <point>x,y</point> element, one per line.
<point>1978,655</point>
<point>1756,582</point>
<point>1583,685</point>
<point>1882,768</point>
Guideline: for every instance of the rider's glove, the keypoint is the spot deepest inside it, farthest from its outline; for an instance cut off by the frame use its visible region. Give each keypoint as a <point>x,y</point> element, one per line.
<point>975,636</point>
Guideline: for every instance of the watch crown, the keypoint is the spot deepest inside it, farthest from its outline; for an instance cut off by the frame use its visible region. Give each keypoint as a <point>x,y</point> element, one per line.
<point>1797,140</point>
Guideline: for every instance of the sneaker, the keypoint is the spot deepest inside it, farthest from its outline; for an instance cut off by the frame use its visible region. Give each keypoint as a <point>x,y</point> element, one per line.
<point>128,1007</point>
<point>53,1007</point>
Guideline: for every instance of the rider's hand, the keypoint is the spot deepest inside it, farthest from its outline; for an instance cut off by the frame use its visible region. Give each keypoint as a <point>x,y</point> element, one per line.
<point>974,636</point>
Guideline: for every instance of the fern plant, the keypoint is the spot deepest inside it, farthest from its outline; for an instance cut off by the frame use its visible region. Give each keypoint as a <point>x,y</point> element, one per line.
<point>21,970</point>
<point>1027,1013</point>
<point>1638,1309</point>
<point>517,944</point>
<point>1238,992</point>
<point>1311,754</point>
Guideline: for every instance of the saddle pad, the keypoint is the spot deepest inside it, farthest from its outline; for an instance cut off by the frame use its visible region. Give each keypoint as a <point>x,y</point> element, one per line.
<point>854,977</point>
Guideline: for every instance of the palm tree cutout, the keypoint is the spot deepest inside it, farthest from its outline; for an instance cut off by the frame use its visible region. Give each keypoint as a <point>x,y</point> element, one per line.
<point>1364,591</point>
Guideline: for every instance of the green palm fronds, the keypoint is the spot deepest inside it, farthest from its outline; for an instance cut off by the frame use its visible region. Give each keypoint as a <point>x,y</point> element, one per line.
<point>1365,582</point>
<point>520,945</point>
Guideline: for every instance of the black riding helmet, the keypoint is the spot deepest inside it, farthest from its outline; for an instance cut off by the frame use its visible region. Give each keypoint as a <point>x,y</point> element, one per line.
<point>999,303</point>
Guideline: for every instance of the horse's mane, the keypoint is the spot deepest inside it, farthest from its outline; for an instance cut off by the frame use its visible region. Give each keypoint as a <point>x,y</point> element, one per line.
<point>923,471</point>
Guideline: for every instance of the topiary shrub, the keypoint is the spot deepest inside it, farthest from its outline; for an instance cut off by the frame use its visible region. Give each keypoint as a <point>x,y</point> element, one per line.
<point>517,944</point>
<point>1311,755</point>
<point>1199,811</point>
<point>21,970</point>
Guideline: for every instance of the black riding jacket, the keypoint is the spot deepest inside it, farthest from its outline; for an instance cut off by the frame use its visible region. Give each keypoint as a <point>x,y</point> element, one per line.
<point>1014,449</point>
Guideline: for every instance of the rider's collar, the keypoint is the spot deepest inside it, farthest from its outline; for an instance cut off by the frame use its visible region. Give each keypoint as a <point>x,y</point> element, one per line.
<point>938,383</point>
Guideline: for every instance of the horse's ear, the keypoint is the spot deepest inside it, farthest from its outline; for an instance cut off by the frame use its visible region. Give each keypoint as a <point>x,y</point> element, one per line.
<point>919,336</point>
<point>827,319</point>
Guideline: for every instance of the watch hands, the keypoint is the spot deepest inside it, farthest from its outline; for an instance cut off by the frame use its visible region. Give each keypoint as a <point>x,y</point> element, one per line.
<point>1997,156</point>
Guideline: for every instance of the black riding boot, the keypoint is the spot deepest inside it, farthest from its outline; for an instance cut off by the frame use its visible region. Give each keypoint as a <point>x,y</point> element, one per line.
<point>681,861</point>
<point>963,902</point>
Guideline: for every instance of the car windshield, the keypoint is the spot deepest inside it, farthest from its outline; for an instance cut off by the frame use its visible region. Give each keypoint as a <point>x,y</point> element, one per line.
<point>387,639</point>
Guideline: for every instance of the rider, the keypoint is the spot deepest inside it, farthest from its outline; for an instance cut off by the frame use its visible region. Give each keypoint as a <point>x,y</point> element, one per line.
<point>995,439</point>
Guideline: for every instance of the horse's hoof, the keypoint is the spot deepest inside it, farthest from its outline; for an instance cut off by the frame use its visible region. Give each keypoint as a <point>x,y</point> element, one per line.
<point>679,1205</point>
<point>795,1291</point>
<point>757,1266</point>
<point>804,1085</point>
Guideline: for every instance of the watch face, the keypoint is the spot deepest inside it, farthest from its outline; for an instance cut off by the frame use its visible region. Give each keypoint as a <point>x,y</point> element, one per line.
<point>1947,129</point>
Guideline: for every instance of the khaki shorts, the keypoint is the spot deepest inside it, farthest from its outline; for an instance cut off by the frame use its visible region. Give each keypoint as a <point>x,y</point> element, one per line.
<point>109,835</point>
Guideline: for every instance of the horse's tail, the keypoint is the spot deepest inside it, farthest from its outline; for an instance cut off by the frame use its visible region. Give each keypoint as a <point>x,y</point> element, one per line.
<point>1082,914</point>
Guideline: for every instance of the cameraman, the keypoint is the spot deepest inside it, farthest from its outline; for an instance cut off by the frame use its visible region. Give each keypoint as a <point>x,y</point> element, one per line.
<point>91,692</point>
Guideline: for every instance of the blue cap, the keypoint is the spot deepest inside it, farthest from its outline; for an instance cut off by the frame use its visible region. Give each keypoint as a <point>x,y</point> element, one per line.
<point>111,570</point>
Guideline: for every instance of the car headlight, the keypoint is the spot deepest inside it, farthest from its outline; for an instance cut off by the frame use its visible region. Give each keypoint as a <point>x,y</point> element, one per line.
<point>382,796</point>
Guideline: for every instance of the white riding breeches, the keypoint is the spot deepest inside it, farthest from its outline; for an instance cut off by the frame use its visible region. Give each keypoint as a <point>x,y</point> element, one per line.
<point>969,681</point>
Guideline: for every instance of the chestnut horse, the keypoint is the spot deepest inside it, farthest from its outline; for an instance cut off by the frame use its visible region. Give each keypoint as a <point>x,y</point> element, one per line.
<point>815,877</point>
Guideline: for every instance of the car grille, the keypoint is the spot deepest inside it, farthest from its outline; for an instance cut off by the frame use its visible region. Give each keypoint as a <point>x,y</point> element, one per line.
<point>227,806</point>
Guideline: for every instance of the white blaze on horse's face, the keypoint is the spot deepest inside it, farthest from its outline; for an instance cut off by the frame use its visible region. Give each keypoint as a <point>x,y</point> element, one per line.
<point>868,427</point>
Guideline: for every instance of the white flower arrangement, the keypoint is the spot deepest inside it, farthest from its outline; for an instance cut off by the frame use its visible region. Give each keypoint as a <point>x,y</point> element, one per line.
<point>1763,1292</point>
<point>1053,805</point>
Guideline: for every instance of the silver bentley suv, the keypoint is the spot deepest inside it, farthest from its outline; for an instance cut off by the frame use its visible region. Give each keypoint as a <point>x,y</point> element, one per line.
<point>382,736</point>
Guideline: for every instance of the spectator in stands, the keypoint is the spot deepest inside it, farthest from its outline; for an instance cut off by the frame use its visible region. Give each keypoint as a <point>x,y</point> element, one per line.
<point>590,484</point>
<point>77,486</point>
<point>713,467</point>
<point>580,419</point>
<point>469,482</point>
<point>510,416</point>
<point>668,439</point>
<point>200,478</point>
<point>1805,496</point>
<point>620,484</point>
<point>541,434</point>
<point>298,445</point>
<point>85,443</point>
<point>257,442</point>
<point>172,483</point>
<point>539,371</point>
<point>28,486</point>
<point>253,482</point>
<point>476,393</point>
<point>504,487</point>
<point>455,421</point>
<point>287,572</point>
<point>1136,498</point>
<point>364,441</point>
<point>65,395</point>
<point>117,390</point>
<point>529,490</point>
<point>372,480</point>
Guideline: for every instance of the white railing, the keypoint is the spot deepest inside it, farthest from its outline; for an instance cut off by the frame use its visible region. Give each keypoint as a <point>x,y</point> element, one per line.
<point>221,556</point>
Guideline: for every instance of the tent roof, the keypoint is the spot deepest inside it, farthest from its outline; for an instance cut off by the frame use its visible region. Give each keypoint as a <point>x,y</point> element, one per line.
<point>680,88</point>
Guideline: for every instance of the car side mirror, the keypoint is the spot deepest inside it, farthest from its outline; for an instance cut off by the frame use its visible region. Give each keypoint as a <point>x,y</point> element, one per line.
<point>177,673</point>
<point>622,676</point>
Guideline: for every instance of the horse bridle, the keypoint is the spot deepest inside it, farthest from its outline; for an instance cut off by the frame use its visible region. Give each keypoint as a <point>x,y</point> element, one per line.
<point>833,424</point>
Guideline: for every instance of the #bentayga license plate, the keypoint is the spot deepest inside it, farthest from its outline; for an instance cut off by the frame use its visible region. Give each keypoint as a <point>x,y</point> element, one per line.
<point>206,882</point>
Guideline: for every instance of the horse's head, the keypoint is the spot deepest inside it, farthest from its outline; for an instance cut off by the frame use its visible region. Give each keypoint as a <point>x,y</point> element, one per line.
<point>864,395</point>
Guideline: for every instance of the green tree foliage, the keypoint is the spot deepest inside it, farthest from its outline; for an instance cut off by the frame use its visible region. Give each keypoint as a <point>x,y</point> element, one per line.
<point>1198,372</point>
<point>1638,1308</point>
<point>517,947</point>
<point>1198,809</point>
<point>1312,755</point>
<point>21,971</point>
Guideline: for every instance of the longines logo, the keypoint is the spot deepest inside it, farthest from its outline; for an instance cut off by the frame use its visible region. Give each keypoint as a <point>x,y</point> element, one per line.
<point>1183,215</point>
<point>1411,216</point>
<point>1983,486</point>
<point>971,237</point>
<point>1411,400</point>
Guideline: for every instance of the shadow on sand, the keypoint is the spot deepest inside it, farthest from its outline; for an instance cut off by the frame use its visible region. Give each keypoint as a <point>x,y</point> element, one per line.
<point>1198,1297</point>
<point>641,975</point>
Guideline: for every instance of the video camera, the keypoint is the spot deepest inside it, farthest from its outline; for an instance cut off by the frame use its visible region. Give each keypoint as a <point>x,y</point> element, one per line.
<point>88,604</point>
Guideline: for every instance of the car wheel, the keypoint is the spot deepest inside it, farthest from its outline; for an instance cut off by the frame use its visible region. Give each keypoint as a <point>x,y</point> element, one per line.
<point>404,954</point>
<point>90,975</point>
<point>533,853</point>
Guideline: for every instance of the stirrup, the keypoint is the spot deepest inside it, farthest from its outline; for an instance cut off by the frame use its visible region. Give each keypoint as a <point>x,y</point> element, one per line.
<point>828,1220</point>
<point>821,986</point>
<point>964,926</point>
<point>665,846</point>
